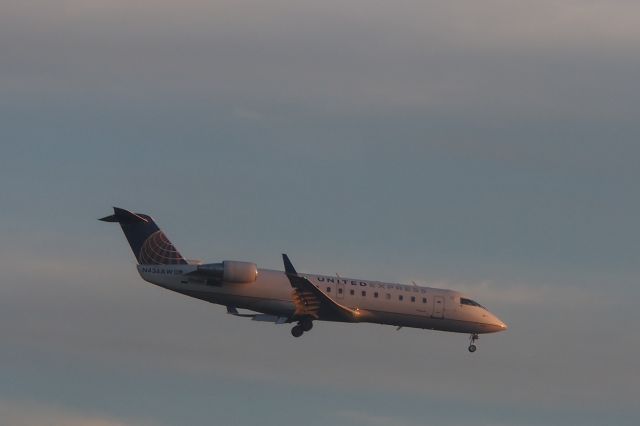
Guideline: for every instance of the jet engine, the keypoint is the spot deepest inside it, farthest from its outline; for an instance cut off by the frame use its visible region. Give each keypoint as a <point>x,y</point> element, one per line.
<point>230,271</point>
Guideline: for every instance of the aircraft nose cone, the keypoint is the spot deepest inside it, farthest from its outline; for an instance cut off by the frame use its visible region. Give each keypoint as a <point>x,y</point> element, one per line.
<point>497,324</point>
<point>500,325</point>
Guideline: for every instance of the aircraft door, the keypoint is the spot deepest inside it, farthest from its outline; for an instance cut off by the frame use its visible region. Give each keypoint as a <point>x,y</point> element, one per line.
<point>438,307</point>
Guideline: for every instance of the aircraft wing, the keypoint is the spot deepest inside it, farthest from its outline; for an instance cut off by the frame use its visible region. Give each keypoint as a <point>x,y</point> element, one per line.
<point>311,302</point>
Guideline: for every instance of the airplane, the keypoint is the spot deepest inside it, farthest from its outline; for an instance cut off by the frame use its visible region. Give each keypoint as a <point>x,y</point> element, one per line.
<point>285,297</point>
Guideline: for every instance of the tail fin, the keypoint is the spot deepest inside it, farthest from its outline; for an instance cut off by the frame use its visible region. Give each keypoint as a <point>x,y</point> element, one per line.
<point>149,244</point>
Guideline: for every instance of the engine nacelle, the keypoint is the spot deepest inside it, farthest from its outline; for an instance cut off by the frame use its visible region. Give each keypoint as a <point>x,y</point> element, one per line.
<point>239,272</point>
<point>231,271</point>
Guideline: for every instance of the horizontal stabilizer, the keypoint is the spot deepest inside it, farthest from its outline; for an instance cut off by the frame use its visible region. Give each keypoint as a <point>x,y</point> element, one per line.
<point>124,216</point>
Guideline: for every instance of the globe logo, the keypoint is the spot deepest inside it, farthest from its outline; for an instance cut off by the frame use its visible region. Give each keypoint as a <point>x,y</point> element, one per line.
<point>158,250</point>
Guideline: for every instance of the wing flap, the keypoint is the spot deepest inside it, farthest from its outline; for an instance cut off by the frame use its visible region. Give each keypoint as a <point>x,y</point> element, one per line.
<point>232,310</point>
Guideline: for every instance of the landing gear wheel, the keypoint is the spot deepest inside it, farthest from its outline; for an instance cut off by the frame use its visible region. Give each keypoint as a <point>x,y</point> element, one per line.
<point>297,331</point>
<point>472,341</point>
<point>306,325</point>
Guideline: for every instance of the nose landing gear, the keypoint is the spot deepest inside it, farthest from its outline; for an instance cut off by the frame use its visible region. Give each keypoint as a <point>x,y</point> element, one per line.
<point>301,327</point>
<point>472,341</point>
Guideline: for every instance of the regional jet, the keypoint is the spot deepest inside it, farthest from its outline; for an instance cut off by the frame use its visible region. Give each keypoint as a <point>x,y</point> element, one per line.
<point>288,297</point>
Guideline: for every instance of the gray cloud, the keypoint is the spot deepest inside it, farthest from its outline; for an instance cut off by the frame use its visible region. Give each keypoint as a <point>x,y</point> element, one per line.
<point>21,413</point>
<point>490,147</point>
<point>102,313</point>
<point>544,60</point>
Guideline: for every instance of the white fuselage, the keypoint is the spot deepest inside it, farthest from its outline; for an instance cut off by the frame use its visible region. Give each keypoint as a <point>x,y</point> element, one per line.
<point>376,302</point>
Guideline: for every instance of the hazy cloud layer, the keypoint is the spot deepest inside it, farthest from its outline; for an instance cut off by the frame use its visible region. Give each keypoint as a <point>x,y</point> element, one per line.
<point>32,414</point>
<point>488,146</point>
<point>546,59</point>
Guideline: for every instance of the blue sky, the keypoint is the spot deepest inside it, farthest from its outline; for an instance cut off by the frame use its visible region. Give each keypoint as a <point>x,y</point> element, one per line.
<point>490,148</point>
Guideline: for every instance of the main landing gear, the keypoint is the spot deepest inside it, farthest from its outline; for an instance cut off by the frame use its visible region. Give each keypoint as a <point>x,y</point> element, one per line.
<point>301,327</point>
<point>472,341</point>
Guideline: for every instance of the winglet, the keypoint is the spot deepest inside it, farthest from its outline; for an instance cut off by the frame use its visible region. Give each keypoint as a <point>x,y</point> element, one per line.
<point>288,266</point>
<point>311,302</point>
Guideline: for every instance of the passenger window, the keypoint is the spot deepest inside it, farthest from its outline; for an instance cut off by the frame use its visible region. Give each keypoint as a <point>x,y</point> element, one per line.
<point>375,294</point>
<point>400,297</point>
<point>413,298</point>
<point>364,293</point>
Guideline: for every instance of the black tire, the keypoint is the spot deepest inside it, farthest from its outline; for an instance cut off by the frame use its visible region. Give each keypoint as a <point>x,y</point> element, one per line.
<point>297,331</point>
<point>307,325</point>
<point>472,348</point>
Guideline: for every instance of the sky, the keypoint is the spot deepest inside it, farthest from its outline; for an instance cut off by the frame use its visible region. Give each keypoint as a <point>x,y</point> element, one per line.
<point>490,147</point>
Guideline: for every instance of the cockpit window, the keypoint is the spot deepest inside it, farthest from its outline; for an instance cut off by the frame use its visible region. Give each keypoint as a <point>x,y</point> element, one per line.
<point>470,302</point>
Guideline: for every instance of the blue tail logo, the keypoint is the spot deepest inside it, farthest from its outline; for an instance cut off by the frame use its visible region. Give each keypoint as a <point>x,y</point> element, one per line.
<point>149,244</point>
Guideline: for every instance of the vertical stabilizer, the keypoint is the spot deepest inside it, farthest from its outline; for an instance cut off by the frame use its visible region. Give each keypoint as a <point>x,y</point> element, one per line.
<point>149,244</point>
